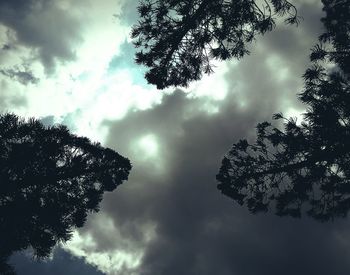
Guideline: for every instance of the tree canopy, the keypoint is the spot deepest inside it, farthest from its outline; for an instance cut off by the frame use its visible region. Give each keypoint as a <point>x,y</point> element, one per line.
<point>178,39</point>
<point>303,167</point>
<point>50,179</point>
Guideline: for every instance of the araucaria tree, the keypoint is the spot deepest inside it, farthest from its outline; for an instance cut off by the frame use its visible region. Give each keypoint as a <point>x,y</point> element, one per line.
<point>303,167</point>
<point>179,38</point>
<point>50,180</point>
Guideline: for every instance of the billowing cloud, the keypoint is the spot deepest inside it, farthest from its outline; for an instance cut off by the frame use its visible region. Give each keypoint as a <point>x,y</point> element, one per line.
<point>46,28</point>
<point>81,47</point>
<point>172,208</point>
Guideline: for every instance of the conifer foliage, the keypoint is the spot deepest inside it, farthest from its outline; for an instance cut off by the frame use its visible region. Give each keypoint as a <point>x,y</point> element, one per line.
<point>303,167</point>
<point>177,39</point>
<point>50,180</point>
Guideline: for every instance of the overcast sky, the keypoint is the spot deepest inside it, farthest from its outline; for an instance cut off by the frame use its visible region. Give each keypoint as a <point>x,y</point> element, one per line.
<point>71,62</point>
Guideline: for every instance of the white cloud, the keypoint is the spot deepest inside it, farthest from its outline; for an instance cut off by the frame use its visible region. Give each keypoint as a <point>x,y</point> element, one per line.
<point>114,253</point>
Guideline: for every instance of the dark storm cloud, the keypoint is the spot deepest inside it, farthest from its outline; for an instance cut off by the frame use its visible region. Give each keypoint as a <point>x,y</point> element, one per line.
<point>198,230</point>
<point>41,26</point>
<point>62,263</point>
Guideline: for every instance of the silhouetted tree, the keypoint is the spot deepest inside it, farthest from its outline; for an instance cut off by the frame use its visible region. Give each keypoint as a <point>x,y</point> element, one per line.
<point>303,167</point>
<point>50,180</point>
<point>178,38</point>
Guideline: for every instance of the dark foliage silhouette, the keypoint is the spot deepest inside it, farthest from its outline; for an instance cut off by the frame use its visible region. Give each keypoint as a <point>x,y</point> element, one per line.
<point>303,167</point>
<point>179,38</point>
<point>50,180</point>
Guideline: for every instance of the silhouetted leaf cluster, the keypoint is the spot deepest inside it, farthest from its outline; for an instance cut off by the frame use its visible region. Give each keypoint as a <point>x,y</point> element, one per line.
<point>179,38</point>
<point>303,167</point>
<point>50,180</point>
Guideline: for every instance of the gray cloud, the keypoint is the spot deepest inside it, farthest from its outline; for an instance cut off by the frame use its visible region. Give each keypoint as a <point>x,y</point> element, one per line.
<point>199,231</point>
<point>278,61</point>
<point>5,47</point>
<point>49,31</point>
<point>24,76</point>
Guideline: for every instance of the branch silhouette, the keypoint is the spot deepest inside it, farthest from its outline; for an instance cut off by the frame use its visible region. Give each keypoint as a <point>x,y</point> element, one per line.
<point>303,167</point>
<point>50,180</point>
<point>179,38</point>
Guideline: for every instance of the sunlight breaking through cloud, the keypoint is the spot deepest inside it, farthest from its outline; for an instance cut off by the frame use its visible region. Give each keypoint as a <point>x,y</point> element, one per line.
<point>108,247</point>
<point>148,146</point>
<point>109,262</point>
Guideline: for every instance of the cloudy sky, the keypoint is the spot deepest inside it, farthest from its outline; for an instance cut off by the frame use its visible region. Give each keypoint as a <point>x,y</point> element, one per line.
<point>71,62</point>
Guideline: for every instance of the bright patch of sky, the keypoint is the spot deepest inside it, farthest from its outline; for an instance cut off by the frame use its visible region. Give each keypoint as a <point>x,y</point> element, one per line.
<point>118,253</point>
<point>102,82</point>
<point>110,262</point>
<point>86,88</point>
<point>148,145</point>
<point>212,85</point>
<point>295,114</point>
